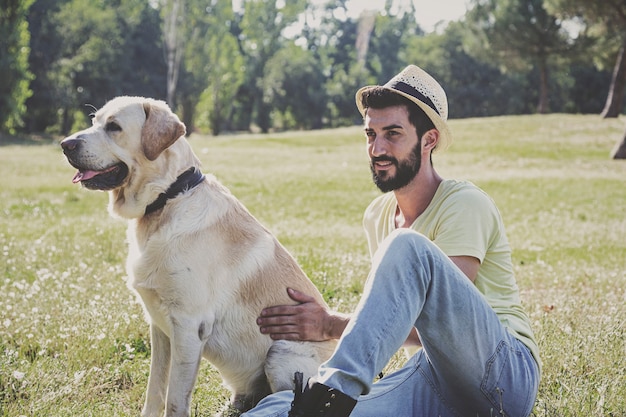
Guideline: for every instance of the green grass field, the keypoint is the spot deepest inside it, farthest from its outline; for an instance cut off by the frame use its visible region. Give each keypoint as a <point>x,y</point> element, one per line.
<point>73,341</point>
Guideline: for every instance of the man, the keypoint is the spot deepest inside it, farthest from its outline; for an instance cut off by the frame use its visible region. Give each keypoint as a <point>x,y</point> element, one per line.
<point>441,277</point>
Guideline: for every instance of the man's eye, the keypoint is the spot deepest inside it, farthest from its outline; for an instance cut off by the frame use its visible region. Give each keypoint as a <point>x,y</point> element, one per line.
<point>112,127</point>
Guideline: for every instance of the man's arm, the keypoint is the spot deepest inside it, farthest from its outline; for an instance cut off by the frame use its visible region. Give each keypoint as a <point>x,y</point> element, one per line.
<point>468,265</point>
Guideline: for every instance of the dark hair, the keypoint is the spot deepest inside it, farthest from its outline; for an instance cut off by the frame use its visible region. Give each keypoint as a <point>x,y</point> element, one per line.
<point>380,98</point>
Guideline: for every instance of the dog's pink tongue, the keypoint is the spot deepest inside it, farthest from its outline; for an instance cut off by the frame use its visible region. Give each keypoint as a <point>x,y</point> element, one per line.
<point>84,175</point>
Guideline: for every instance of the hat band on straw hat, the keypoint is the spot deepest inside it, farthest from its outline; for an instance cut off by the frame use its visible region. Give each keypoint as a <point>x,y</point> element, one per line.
<point>407,89</point>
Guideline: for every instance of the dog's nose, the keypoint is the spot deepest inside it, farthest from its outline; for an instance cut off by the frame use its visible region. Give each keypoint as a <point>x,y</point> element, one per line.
<point>70,144</point>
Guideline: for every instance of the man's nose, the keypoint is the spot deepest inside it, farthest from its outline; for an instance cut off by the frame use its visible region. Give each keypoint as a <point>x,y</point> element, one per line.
<point>377,147</point>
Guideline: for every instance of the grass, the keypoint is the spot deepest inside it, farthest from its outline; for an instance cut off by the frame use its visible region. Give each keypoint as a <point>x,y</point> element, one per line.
<point>72,337</point>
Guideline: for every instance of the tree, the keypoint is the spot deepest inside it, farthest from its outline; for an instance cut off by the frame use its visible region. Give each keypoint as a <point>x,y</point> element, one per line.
<point>475,88</point>
<point>233,70</point>
<point>259,29</point>
<point>46,43</point>
<point>619,151</point>
<point>392,33</point>
<point>91,61</point>
<point>218,66</point>
<point>142,67</point>
<point>518,34</point>
<point>337,43</point>
<point>604,20</point>
<point>173,27</point>
<point>14,73</point>
<point>85,53</point>
<point>291,82</point>
<point>615,98</point>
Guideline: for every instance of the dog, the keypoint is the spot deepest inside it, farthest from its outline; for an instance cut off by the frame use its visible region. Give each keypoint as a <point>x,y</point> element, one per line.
<point>202,266</point>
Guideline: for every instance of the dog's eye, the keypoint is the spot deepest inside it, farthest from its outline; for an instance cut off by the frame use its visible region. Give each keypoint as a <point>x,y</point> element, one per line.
<point>112,127</point>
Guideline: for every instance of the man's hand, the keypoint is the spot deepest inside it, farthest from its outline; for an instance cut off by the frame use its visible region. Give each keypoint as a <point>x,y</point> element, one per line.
<point>306,321</point>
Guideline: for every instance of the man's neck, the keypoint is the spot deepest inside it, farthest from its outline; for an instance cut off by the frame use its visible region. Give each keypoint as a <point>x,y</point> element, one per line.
<point>415,197</point>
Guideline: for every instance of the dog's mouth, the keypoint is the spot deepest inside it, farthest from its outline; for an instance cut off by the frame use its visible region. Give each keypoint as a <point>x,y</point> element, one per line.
<point>106,179</point>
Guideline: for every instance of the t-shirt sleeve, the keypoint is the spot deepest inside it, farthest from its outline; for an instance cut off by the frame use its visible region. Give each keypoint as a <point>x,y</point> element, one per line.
<point>466,225</point>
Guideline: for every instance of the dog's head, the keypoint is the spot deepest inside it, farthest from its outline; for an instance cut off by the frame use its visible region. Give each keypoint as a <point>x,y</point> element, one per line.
<point>122,152</point>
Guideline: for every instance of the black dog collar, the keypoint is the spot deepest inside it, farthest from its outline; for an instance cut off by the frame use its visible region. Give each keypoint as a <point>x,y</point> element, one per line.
<point>185,181</point>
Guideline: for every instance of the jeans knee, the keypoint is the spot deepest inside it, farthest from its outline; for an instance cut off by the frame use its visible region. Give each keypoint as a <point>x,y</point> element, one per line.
<point>401,240</point>
<point>403,245</point>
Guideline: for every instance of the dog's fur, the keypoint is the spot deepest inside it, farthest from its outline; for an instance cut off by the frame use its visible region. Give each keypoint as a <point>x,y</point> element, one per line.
<point>202,265</point>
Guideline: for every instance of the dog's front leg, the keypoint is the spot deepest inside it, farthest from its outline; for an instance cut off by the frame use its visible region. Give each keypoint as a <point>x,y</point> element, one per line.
<point>187,341</point>
<point>159,373</point>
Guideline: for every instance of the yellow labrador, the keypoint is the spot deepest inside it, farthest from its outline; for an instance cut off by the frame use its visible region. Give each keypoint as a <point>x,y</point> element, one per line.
<point>201,264</point>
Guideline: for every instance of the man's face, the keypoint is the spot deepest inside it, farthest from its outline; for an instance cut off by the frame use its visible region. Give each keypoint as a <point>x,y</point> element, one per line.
<point>393,147</point>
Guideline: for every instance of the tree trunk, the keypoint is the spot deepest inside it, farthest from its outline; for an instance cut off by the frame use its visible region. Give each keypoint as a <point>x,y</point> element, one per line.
<point>173,47</point>
<point>542,107</point>
<point>188,112</point>
<point>365,27</point>
<point>613,106</point>
<point>619,151</point>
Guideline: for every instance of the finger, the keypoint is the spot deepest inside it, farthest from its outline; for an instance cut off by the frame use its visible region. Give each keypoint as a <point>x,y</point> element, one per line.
<point>275,321</point>
<point>285,336</point>
<point>299,296</point>
<point>282,331</point>
<point>286,310</point>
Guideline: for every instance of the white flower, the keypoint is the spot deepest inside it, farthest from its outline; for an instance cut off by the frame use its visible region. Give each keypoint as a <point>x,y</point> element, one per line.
<point>18,375</point>
<point>78,376</point>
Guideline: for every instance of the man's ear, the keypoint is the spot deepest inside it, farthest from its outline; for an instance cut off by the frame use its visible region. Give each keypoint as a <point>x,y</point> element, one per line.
<point>161,129</point>
<point>430,140</point>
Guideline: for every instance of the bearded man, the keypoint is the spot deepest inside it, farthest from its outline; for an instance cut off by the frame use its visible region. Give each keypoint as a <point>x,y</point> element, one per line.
<point>441,278</point>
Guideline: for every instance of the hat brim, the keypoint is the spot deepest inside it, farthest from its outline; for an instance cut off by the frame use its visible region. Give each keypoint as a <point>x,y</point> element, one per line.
<point>445,137</point>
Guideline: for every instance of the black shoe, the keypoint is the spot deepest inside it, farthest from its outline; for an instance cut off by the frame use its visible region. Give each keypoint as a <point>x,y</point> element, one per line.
<point>319,400</point>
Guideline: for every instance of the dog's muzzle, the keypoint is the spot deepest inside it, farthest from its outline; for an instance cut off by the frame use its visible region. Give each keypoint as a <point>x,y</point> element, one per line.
<point>103,179</point>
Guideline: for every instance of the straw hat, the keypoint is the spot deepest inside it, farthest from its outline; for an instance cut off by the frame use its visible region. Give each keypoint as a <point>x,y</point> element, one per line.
<point>418,86</point>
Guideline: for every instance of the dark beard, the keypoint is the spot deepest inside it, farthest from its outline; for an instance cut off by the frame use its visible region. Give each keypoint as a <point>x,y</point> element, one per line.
<point>406,170</point>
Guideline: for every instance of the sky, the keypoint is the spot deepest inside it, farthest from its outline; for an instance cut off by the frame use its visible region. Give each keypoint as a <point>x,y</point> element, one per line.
<point>429,12</point>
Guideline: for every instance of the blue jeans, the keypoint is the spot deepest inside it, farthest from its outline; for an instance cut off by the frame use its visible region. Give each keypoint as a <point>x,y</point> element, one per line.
<point>470,365</point>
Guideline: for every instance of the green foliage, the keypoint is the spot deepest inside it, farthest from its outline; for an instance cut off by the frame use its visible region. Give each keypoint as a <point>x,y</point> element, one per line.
<point>296,64</point>
<point>218,65</point>
<point>389,44</point>
<point>520,35</point>
<point>517,31</point>
<point>474,87</point>
<point>14,72</point>
<point>72,337</point>
<point>291,82</point>
<point>334,43</point>
<point>259,33</point>
<point>85,53</point>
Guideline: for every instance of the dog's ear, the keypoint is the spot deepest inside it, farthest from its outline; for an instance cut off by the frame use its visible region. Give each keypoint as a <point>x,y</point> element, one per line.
<point>161,129</point>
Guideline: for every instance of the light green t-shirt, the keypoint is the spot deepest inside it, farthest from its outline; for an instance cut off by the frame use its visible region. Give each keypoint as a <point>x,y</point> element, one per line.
<point>462,220</point>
